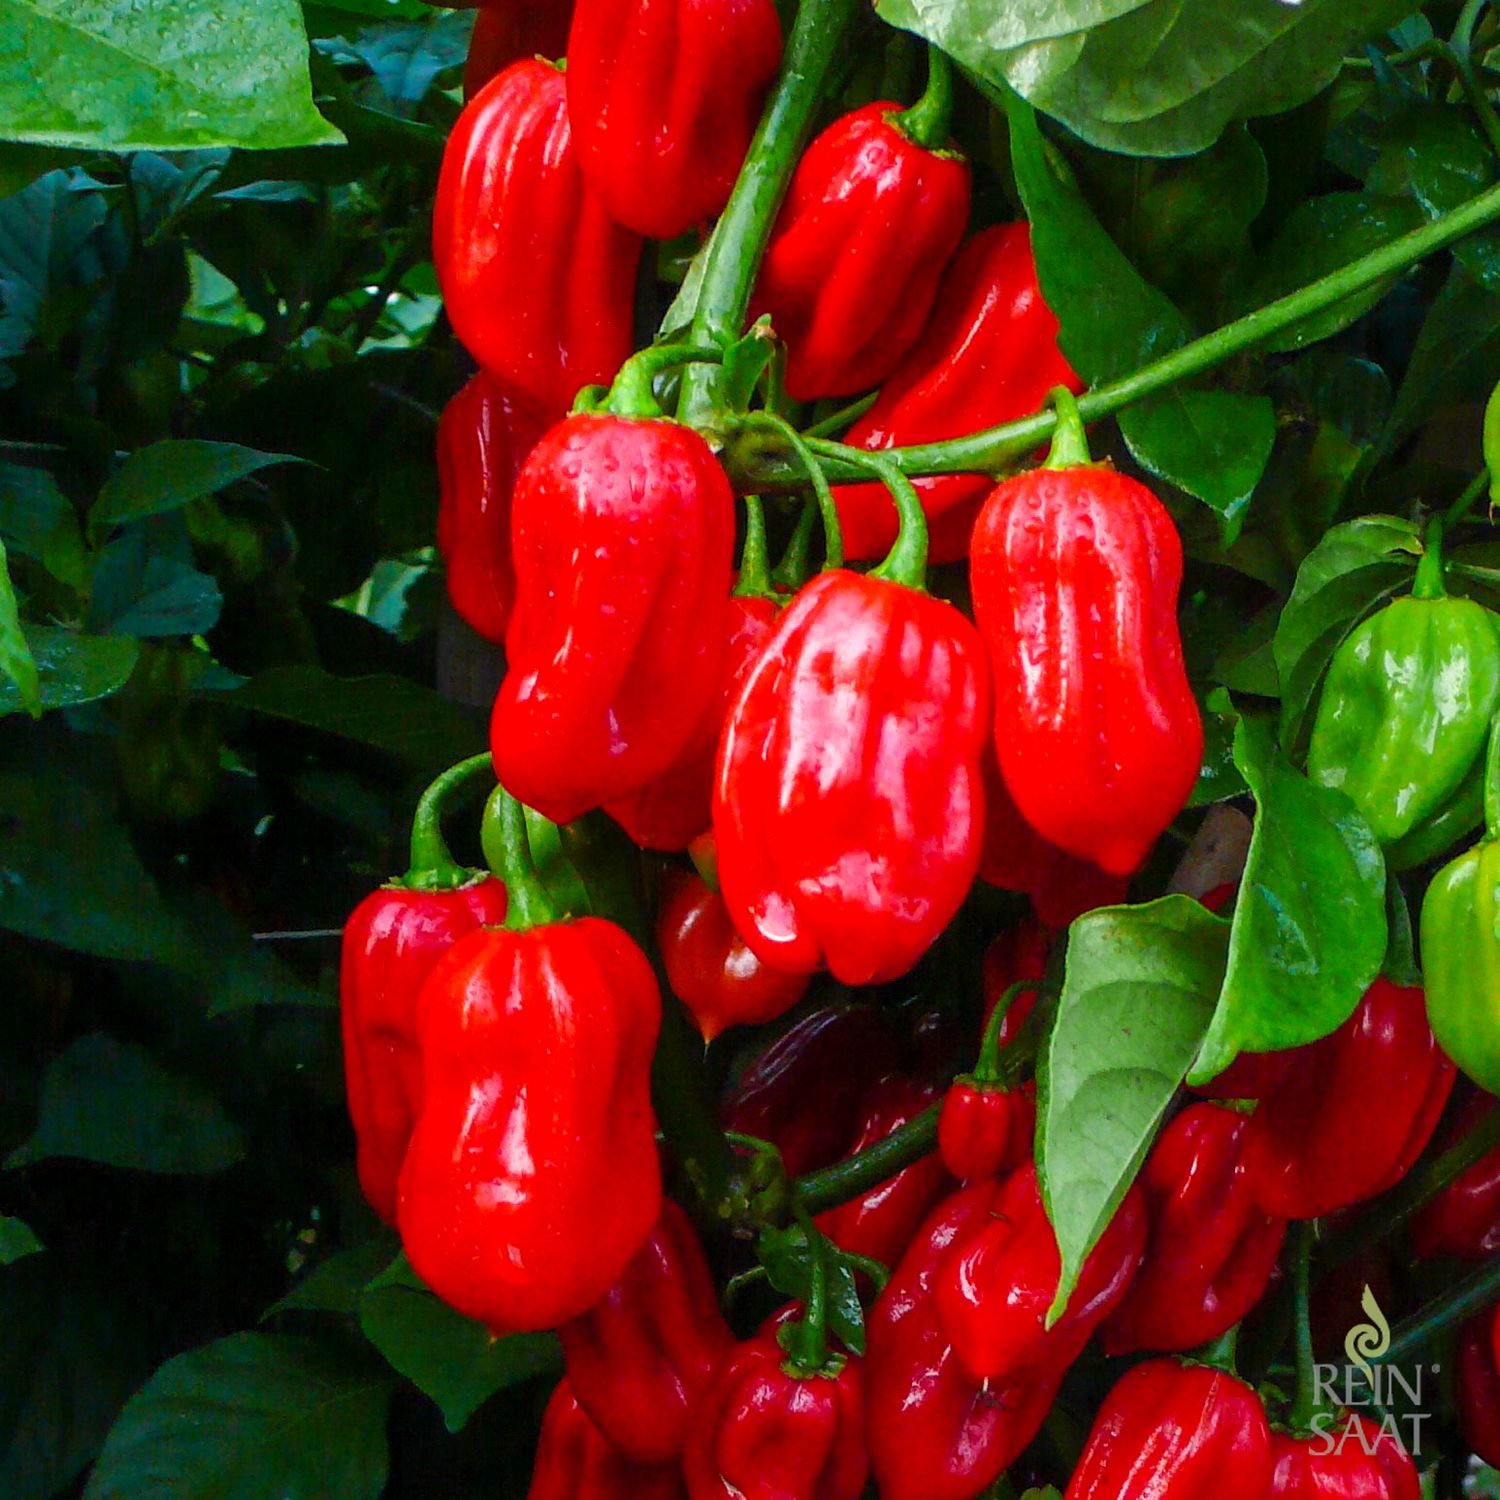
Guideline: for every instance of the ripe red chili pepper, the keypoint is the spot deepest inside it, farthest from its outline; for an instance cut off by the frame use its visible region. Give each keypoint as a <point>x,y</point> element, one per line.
<point>848,806</point>
<point>674,809</point>
<point>710,969</point>
<point>538,281</point>
<point>988,355</point>
<point>770,1430</point>
<point>1464,1219</point>
<point>1075,570</point>
<point>505,31</point>
<point>881,1222</point>
<point>988,1119</point>
<point>483,438</point>
<point>1211,1249</point>
<point>640,1360</point>
<point>874,212</point>
<point>1176,1432</point>
<point>623,531</point>
<point>575,1461</point>
<point>1478,1389</point>
<point>1315,1144</point>
<point>664,98</point>
<point>1353,1460</point>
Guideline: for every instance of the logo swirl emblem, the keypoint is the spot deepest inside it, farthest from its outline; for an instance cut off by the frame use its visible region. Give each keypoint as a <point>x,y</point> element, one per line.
<point>1367,1341</point>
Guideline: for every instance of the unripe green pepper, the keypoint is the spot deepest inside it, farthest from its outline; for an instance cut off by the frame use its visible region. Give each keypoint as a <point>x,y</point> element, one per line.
<point>1406,707</point>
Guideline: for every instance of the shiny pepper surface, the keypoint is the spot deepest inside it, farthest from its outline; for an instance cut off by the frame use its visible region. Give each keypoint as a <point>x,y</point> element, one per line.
<point>766,1431</point>
<point>1169,1431</point>
<point>483,438</point>
<point>1211,1248</point>
<point>985,1129</point>
<point>1352,1112</point>
<point>665,95</point>
<point>506,31</point>
<point>1075,573</point>
<point>1364,1464</point>
<point>870,221</point>
<point>989,354</point>
<point>1464,1218</point>
<point>640,1359</point>
<point>532,1179</point>
<point>575,1461</point>
<point>1478,1389</point>
<point>848,808</point>
<point>392,942</point>
<point>623,531</point>
<point>538,281</point>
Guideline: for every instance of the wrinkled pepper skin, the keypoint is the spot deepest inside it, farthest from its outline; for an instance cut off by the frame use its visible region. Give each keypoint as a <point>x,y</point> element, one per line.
<point>538,281</point>
<point>847,807</point>
<point>641,1359</point>
<point>575,1461</point>
<point>392,942</point>
<point>623,532</point>
<point>1301,1469</point>
<point>1169,1431</point>
<point>1406,709</point>
<point>1211,1248</point>
<point>1461,961</point>
<point>665,95</point>
<point>1314,1144</point>
<point>869,223</point>
<point>677,807</point>
<point>1477,1387</point>
<point>532,1180</point>
<point>881,1222</point>
<point>1463,1220</point>
<point>986,1129</point>
<point>988,355</point>
<point>765,1432</point>
<point>1075,575</point>
<point>999,1279</point>
<point>506,31</point>
<point>484,435</point>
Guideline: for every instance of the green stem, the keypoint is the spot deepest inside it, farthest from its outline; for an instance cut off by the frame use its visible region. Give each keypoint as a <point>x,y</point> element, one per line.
<point>925,124</point>
<point>1428,583</point>
<point>1491,439</point>
<point>1459,510</point>
<point>906,562</point>
<point>987,1069</point>
<point>807,1339</point>
<point>1492,782</point>
<point>1474,1294</point>
<point>1221,1352</point>
<point>833,534</point>
<point>1461,55</point>
<point>755,570</point>
<point>796,562</point>
<point>633,393</point>
<point>508,848</point>
<point>1305,1407</point>
<point>857,1174</point>
<point>1070,443</point>
<point>433,867</point>
<point>845,416</point>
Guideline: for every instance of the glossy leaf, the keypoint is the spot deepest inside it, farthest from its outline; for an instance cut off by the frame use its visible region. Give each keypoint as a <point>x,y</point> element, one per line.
<point>16,1241</point>
<point>788,1263</point>
<point>16,661</point>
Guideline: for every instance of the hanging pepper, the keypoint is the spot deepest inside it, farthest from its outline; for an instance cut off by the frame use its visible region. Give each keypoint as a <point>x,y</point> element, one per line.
<point>1461,945</point>
<point>989,1117</point>
<point>623,529</point>
<point>538,281</point>
<point>665,95</point>
<point>531,1180</point>
<point>640,1360</point>
<point>392,942</point>
<point>1211,1248</point>
<point>575,1461</point>
<point>1352,1459</point>
<point>1170,1431</point>
<point>1477,1386</point>
<point>1075,570</point>
<point>506,31</point>
<point>1352,1112</point>
<point>880,1223</point>
<point>1464,1218</point>
<point>988,355</point>
<point>484,435</point>
<point>874,212</point>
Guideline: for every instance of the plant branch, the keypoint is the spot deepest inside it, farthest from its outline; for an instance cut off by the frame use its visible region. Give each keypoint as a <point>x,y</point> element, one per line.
<point>857,1174</point>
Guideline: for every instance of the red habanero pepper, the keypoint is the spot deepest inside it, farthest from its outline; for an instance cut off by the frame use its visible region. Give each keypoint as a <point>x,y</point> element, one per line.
<point>988,355</point>
<point>1075,570</point>
<point>1211,1248</point>
<point>880,1223</point>
<point>1171,1431</point>
<point>872,217</point>
<point>710,969</point>
<point>1352,1459</point>
<point>1464,1219</point>
<point>988,1119</point>
<point>665,95</point>
<point>575,1461</point>
<point>1478,1389</point>
<point>505,31</point>
<point>640,1359</point>
<point>623,531</point>
<point>532,1180</point>
<point>848,805</point>
<point>484,435</point>
<point>538,281</point>
<point>1314,1144</point>
<point>392,942</point>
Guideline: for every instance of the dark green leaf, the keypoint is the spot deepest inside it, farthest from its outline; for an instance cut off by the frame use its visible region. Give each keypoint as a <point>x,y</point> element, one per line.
<point>16,661</point>
<point>788,1263</point>
<point>171,474</point>
<point>1218,777</point>
<point>141,591</point>
<point>74,668</point>
<point>334,1285</point>
<point>37,521</point>
<point>16,1241</point>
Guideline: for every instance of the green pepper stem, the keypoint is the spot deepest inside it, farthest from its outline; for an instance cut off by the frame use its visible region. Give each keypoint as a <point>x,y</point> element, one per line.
<point>1492,782</point>
<point>755,573</point>
<point>906,562</point>
<point>433,867</point>
<point>1474,1294</point>
<point>508,850</point>
<point>1428,583</point>
<point>1459,510</point>
<point>987,1069</point>
<point>1306,1406</point>
<point>925,124</point>
<point>807,1339</point>
<point>1220,1353</point>
<point>856,1174</point>
<point>633,393</point>
<point>796,562</point>
<point>1070,444</point>
<point>833,534</point>
<point>1491,439</point>
<point>845,416</point>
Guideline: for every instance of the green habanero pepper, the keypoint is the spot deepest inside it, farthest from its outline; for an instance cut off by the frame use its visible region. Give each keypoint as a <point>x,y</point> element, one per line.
<point>1404,713</point>
<point>1461,945</point>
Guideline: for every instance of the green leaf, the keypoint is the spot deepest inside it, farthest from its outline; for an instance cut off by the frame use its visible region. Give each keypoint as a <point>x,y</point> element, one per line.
<point>16,1241</point>
<point>1355,567</point>
<point>16,660</point>
<point>334,1285</point>
<point>140,590</point>
<point>164,76</point>
<point>247,1417</point>
<point>37,521</point>
<point>1309,932</point>
<point>1138,991</point>
<point>789,1264</point>
<point>110,1102</point>
<point>73,668</point>
<point>1218,777</point>
<point>450,1358</point>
